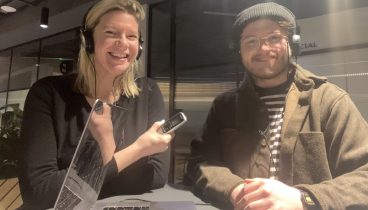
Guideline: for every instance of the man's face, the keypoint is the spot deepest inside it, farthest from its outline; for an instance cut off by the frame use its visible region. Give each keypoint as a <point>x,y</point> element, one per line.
<point>264,51</point>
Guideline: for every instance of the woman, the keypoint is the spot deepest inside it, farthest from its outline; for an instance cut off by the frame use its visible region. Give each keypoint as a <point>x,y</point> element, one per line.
<point>56,109</point>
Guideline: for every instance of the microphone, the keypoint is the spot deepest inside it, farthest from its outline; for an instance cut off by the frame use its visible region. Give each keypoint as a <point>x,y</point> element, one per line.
<point>266,134</point>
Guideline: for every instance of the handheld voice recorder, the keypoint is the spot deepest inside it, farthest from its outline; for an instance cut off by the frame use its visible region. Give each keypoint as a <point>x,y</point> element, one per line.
<point>173,123</point>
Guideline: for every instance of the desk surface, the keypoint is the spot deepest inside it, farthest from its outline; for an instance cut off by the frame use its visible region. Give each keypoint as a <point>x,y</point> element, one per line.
<point>167,193</point>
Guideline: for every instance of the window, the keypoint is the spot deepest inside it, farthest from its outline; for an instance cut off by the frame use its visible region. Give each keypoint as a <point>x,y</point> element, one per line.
<point>4,69</point>
<point>59,54</point>
<point>24,66</point>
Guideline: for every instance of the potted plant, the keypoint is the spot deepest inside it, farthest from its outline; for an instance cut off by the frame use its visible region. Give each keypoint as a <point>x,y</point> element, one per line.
<point>11,117</point>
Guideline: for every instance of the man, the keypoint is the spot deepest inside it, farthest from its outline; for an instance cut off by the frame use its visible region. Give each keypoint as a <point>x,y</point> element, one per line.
<point>286,139</point>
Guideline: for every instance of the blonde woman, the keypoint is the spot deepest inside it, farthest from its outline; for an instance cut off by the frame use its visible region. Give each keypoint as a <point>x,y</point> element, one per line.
<point>56,109</point>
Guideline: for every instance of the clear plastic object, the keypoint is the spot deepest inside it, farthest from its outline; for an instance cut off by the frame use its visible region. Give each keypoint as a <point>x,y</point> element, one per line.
<point>103,132</point>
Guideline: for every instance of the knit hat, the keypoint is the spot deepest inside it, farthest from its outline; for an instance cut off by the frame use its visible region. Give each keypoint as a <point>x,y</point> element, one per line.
<point>269,10</point>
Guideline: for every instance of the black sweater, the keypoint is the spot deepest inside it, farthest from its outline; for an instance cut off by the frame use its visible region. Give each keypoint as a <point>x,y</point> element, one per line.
<point>54,118</point>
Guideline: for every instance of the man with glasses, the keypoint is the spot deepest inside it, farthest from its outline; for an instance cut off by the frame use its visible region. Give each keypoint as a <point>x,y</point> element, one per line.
<point>286,139</point>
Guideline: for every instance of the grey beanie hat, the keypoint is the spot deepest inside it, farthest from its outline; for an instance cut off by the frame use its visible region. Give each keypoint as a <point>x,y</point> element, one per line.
<point>269,10</point>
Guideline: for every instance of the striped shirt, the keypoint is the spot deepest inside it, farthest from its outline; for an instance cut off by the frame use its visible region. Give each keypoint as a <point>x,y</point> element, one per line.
<point>274,99</point>
<point>275,106</point>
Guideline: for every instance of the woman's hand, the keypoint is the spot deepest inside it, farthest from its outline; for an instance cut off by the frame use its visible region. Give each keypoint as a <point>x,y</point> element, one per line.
<point>153,141</point>
<point>101,128</point>
<point>149,143</point>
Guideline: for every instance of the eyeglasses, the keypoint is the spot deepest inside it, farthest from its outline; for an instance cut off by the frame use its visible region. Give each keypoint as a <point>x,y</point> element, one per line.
<point>253,42</point>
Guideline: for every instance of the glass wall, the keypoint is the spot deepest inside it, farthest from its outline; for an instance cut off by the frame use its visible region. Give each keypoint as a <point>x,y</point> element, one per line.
<point>162,61</point>
<point>24,67</point>
<point>3,102</point>
<point>30,62</point>
<point>5,57</point>
<point>205,68</point>
<point>200,62</point>
<point>17,97</point>
<point>159,64</point>
<point>59,54</point>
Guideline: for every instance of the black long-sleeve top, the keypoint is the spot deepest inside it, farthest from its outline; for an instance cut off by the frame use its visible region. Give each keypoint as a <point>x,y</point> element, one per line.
<point>53,121</point>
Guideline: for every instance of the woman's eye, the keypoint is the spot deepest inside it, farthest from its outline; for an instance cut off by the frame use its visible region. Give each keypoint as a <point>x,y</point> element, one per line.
<point>110,32</point>
<point>133,37</point>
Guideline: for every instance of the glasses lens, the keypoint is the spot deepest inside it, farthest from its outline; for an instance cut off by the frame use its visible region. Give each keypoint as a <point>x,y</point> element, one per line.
<point>254,42</point>
<point>274,39</point>
<point>251,42</point>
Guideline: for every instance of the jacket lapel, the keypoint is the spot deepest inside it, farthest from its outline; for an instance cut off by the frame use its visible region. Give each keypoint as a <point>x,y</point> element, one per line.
<point>296,110</point>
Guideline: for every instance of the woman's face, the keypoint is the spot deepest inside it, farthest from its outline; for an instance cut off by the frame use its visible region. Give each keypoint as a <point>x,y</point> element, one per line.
<point>116,40</point>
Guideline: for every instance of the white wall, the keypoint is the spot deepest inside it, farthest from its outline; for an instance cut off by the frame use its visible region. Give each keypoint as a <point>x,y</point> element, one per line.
<point>346,68</point>
<point>338,29</point>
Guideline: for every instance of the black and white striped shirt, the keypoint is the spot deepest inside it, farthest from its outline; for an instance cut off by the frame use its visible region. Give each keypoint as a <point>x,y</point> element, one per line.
<point>275,106</point>
<point>274,99</point>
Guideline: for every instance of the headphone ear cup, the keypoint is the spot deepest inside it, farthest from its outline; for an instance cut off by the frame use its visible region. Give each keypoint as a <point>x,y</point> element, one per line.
<point>296,41</point>
<point>88,41</point>
<point>140,48</point>
<point>295,48</point>
<point>234,46</point>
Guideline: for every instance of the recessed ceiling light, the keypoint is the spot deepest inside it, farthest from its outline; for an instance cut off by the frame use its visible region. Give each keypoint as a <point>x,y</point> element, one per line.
<point>7,9</point>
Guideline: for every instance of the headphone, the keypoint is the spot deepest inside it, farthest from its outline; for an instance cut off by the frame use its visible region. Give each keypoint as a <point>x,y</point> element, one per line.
<point>295,40</point>
<point>87,33</point>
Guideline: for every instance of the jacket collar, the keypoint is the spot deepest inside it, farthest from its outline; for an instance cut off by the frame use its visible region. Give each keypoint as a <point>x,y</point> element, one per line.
<point>304,81</point>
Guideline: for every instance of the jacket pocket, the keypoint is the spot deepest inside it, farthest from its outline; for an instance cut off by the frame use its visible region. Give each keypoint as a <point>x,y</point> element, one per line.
<point>310,159</point>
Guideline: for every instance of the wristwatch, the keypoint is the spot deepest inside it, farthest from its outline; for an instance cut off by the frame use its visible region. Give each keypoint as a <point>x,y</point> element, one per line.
<point>307,201</point>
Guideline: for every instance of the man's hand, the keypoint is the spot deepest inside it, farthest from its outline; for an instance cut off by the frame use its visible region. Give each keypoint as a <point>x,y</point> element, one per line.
<point>237,194</point>
<point>261,194</point>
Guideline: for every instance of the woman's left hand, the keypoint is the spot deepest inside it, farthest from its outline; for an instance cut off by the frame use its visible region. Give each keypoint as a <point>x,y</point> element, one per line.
<point>153,141</point>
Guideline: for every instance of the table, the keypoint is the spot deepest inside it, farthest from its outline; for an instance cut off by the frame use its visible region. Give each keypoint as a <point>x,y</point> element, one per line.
<point>167,193</point>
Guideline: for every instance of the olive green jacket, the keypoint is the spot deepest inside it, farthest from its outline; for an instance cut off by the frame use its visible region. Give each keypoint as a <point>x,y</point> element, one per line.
<point>324,145</point>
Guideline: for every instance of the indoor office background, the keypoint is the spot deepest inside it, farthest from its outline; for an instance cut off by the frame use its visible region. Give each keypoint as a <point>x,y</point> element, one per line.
<point>186,51</point>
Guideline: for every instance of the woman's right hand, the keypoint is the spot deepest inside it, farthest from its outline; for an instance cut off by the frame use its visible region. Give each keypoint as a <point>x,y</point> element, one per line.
<point>101,128</point>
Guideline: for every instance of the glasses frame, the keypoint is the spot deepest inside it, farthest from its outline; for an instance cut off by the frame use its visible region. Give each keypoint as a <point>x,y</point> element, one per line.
<point>259,41</point>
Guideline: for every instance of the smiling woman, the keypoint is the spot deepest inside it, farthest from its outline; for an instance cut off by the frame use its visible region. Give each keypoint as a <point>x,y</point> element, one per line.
<point>116,37</point>
<point>103,25</point>
<point>57,107</point>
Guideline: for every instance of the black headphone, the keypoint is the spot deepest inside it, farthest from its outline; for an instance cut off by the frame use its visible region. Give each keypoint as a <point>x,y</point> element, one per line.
<point>87,33</point>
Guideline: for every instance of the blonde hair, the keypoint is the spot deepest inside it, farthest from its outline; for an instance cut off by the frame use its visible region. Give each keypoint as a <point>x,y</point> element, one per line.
<point>85,82</point>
